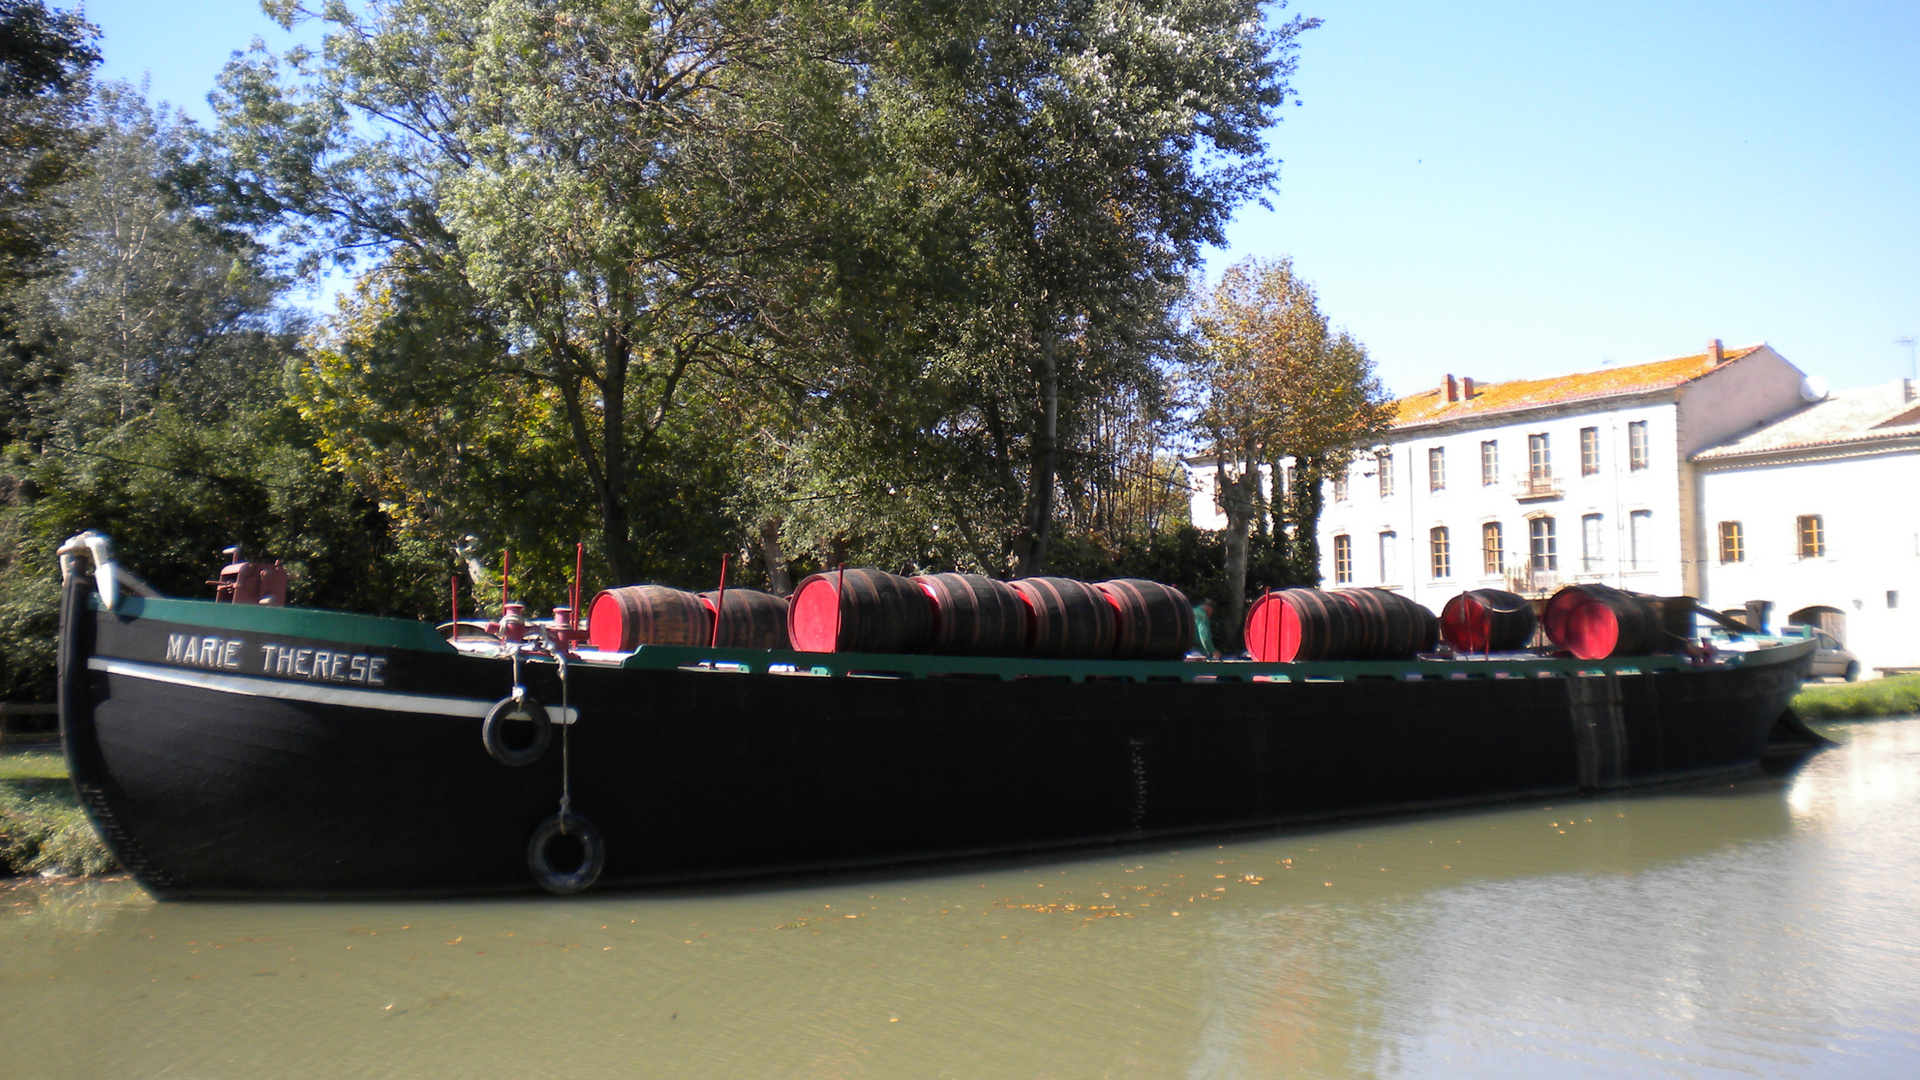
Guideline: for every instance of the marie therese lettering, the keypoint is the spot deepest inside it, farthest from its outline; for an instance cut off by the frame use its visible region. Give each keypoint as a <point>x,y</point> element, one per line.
<point>321,665</point>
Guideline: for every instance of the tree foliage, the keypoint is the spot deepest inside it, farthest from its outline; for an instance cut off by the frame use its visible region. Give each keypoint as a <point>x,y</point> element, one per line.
<point>151,406</point>
<point>917,251</point>
<point>46,63</point>
<point>1274,382</point>
<point>1084,152</point>
<point>631,198</point>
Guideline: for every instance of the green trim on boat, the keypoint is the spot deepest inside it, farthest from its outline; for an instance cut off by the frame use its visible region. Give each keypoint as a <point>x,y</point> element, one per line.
<point>377,631</point>
<point>919,666</point>
<point>382,632</point>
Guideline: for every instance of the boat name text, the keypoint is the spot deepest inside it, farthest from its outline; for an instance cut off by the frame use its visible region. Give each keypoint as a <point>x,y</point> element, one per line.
<point>322,665</point>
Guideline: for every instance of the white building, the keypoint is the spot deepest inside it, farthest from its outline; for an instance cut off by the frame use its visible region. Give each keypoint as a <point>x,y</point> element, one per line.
<point>1724,475</point>
<point>1819,512</point>
<point>1531,484</point>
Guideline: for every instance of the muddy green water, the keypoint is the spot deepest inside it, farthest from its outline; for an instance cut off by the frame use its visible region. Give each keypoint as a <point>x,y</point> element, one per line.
<point>1768,928</point>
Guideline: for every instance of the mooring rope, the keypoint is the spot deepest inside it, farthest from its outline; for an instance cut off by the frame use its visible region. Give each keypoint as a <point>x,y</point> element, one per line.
<point>566,730</point>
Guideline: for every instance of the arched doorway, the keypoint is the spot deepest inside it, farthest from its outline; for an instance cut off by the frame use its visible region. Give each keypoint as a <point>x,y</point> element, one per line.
<point>1829,619</point>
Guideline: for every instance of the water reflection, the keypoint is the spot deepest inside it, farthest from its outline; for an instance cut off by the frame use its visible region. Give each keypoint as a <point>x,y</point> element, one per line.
<point>1765,928</point>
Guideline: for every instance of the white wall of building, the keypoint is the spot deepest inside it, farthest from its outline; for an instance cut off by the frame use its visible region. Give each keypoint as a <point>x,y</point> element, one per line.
<point>1869,505</point>
<point>1611,494</point>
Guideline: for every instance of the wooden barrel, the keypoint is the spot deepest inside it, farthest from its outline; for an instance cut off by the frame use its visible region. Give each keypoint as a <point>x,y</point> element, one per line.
<point>1301,624</point>
<point>753,619</point>
<point>1487,620</point>
<point>1151,621</point>
<point>623,619</point>
<point>876,612</point>
<point>1390,626</point>
<point>1597,621</point>
<point>974,615</point>
<point>1066,619</point>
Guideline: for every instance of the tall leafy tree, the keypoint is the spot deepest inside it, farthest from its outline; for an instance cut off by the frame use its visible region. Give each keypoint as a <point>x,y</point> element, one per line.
<point>147,300</point>
<point>1273,381</point>
<point>1096,146</point>
<point>154,408</point>
<point>609,184</point>
<point>46,62</point>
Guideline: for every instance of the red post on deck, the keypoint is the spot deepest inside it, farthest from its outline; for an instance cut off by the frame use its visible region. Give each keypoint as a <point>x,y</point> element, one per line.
<point>573,609</point>
<point>839,604</point>
<point>719,604</point>
<point>1273,628</point>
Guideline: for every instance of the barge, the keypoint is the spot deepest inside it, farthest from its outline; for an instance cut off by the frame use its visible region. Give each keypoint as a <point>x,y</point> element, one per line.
<point>233,750</point>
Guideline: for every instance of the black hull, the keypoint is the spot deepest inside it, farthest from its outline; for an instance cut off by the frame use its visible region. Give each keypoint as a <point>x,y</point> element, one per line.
<point>210,779</point>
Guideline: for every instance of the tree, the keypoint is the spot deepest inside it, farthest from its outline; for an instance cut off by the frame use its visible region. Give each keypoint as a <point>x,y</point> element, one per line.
<point>46,60</point>
<point>147,300</point>
<point>402,384</point>
<point>938,230</point>
<point>611,186</point>
<point>153,404</point>
<point>1273,382</point>
<point>1096,146</point>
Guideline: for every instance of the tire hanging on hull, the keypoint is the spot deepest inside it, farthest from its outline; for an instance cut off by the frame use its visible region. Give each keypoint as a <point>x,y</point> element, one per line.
<point>593,854</point>
<point>508,709</point>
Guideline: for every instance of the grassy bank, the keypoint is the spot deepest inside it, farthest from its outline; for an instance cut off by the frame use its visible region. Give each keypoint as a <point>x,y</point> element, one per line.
<point>1898,696</point>
<point>42,827</point>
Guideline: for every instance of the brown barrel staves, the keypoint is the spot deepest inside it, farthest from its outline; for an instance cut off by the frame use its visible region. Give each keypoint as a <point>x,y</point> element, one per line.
<point>1390,626</point>
<point>974,615</point>
<point>1487,620</point>
<point>623,619</point>
<point>1301,624</point>
<point>1067,619</point>
<point>752,620</point>
<point>1597,621</point>
<point>1151,621</point>
<point>878,612</point>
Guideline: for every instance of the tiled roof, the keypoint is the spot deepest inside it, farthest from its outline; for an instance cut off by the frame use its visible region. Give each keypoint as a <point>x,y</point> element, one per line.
<point>1432,406</point>
<point>1845,416</point>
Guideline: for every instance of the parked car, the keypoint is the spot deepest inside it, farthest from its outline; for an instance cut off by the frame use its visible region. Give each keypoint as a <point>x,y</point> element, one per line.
<point>1832,660</point>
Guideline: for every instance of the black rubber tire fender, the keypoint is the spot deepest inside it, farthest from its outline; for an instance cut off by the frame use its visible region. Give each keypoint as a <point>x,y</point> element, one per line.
<point>516,707</point>
<point>593,854</point>
<point>1853,672</point>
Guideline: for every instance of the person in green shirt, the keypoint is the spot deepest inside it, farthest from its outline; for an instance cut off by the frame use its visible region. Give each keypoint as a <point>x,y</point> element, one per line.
<point>1203,630</point>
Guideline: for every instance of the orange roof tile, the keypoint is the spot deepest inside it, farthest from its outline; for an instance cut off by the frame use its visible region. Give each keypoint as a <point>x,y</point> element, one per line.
<point>1431,406</point>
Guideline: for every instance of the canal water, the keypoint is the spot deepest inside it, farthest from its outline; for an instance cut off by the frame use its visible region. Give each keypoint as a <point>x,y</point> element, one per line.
<point>1768,928</point>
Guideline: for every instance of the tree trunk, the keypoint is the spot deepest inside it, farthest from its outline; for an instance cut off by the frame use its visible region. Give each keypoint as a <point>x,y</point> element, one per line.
<point>1239,497</point>
<point>778,582</point>
<point>1039,523</point>
<point>612,496</point>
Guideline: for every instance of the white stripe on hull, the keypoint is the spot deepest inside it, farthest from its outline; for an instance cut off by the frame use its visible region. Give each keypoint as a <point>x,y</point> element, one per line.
<point>249,686</point>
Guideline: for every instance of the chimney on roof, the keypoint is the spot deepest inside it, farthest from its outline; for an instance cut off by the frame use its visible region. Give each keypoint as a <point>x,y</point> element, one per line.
<point>1466,388</point>
<point>1714,351</point>
<point>1453,389</point>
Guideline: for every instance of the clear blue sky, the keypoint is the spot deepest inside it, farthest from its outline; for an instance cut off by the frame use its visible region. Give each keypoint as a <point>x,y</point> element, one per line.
<point>1508,188</point>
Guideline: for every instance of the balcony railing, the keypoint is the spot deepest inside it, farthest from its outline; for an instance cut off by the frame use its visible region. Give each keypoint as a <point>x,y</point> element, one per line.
<point>1530,582</point>
<point>1540,485</point>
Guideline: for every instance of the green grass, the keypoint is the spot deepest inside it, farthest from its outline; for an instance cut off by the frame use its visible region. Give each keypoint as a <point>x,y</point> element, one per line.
<point>33,763</point>
<point>1897,696</point>
<point>42,827</point>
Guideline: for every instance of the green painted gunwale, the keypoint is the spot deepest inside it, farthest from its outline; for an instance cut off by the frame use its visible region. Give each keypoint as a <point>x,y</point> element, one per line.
<point>920,666</point>
<point>377,631</point>
<point>382,632</point>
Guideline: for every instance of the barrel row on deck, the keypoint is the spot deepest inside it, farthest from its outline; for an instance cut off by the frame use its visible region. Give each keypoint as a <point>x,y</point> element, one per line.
<point>1591,622</point>
<point>873,611</point>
